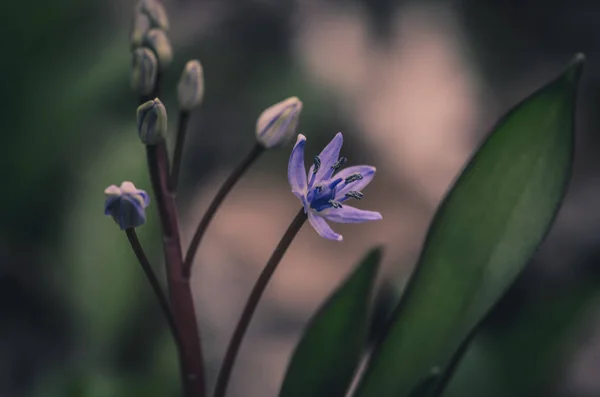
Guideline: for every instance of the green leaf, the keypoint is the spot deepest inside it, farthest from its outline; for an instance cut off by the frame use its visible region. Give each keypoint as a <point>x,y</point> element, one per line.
<point>522,356</point>
<point>482,236</point>
<point>324,361</point>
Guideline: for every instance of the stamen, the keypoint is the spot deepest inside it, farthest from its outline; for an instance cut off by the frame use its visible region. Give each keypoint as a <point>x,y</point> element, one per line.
<point>353,178</point>
<point>335,204</point>
<point>335,183</point>
<point>339,164</point>
<point>354,194</point>
<point>318,189</point>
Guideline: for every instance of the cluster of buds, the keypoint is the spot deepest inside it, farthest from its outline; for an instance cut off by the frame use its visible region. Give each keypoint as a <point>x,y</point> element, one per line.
<point>150,46</point>
<point>151,56</point>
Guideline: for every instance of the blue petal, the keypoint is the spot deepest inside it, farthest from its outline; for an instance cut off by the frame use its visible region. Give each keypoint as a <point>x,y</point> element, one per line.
<point>296,169</point>
<point>322,227</point>
<point>328,157</point>
<point>130,213</point>
<point>348,214</point>
<point>145,197</point>
<point>367,172</point>
<point>110,203</point>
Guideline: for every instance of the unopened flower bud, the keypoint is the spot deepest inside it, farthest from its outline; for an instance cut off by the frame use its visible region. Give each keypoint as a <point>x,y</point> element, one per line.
<point>277,124</point>
<point>144,69</point>
<point>157,41</point>
<point>156,12</point>
<point>139,28</point>
<point>152,122</point>
<point>126,204</point>
<point>190,90</point>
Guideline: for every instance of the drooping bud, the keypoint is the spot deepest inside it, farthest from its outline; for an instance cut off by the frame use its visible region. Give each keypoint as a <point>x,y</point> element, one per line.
<point>139,27</point>
<point>156,12</point>
<point>144,69</point>
<point>126,204</point>
<point>277,124</point>
<point>157,41</point>
<point>152,122</point>
<point>190,89</point>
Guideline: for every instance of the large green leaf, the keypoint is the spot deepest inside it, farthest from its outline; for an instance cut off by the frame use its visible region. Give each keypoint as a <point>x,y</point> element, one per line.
<point>482,236</point>
<point>324,361</point>
<point>525,355</point>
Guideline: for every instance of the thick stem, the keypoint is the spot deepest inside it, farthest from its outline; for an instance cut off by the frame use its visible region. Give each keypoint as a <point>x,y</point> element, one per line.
<point>252,303</point>
<point>184,118</point>
<point>254,154</point>
<point>180,293</point>
<point>154,283</point>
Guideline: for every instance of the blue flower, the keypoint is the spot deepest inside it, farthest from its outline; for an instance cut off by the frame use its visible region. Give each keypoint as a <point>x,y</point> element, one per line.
<point>328,186</point>
<point>126,205</point>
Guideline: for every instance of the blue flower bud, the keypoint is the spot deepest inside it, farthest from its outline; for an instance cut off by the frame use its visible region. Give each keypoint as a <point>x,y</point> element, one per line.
<point>156,12</point>
<point>277,124</point>
<point>152,122</point>
<point>139,27</point>
<point>126,204</point>
<point>190,90</point>
<point>144,69</point>
<point>157,41</point>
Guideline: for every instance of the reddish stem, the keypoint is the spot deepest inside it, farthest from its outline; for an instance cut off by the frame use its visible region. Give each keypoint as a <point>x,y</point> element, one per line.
<point>180,293</point>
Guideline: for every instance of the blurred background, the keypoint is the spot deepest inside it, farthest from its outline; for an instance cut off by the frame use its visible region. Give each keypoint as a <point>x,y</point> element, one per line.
<point>414,86</point>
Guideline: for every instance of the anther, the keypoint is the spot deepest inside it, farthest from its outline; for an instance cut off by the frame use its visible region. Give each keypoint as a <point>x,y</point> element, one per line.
<point>335,204</point>
<point>317,163</point>
<point>339,164</point>
<point>354,194</point>
<point>353,178</point>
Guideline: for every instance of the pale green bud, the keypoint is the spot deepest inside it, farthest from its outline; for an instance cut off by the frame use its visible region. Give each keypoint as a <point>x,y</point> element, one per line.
<point>144,69</point>
<point>156,12</point>
<point>158,42</point>
<point>190,90</point>
<point>140,26</point>
<point>277,124</point>
<point>152,122</point>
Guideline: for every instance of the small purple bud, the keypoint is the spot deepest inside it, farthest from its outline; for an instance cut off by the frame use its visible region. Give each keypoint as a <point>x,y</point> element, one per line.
<point>152,122</point>
<point>126,204</point>
<point>277,124</point>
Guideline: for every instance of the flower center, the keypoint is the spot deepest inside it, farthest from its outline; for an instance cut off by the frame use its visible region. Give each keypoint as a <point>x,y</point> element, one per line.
<point>322,196</point>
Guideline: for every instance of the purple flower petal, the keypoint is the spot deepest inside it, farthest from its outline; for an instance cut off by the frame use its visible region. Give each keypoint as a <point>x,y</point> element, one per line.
<point>366,171</point>
<point>109,204</point>
<point>296,169</point>
<point>348,214</point>
<point>322,227</point>
<point>328,157</point>
<point>130,213</point>
<point>145,197</point>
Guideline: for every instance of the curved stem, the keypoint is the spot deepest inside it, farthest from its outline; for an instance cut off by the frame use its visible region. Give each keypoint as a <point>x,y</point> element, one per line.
<point>254,154</point>
<point>252,303</point>
<point>184,118</point>
<point>154,283</point>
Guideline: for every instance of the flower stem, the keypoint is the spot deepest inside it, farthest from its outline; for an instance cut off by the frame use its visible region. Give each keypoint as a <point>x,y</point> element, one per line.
<point>154,283</point>
<point>180,293</point>
<point>252,303</point>
<point>254,154</point>
<point>184,118</point>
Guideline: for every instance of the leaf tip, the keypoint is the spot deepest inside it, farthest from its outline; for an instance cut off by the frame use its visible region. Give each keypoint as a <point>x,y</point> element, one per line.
<point>575,67</point>
<point>376,253</point>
